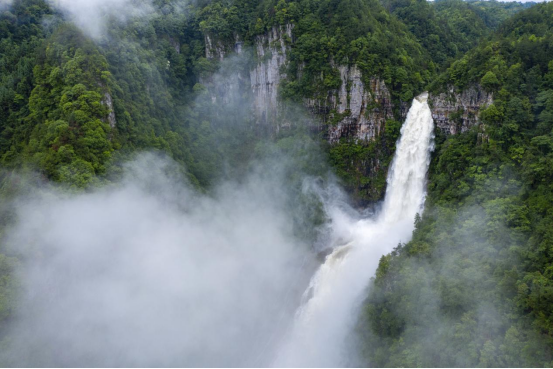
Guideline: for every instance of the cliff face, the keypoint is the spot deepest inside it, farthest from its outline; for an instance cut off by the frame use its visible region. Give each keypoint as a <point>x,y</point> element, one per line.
<point>355,110</point>
<point>214,49</point>
<point>108,101</point>
<point>358,110</point>
<point>455,112</point>
<point>265,77</point>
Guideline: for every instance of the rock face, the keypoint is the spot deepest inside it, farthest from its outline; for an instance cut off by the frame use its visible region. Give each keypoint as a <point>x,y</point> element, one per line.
<point>226,86</point>
<point>108,101</point>
<point>175,44</point>
<point>214,49</point>
<point>455,112</point>
<point>355,110</point>
<point>358,109</point>
<point>265,77</point>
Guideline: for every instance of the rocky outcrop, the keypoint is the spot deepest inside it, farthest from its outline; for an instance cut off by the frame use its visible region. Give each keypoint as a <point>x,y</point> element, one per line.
<point>265,77</point>
<point>456,112</point>
<point>108,101</point>
<point>359,109</point>
<point>355,110</point>
<point>225,88</point>
<point>214,48</point>
<point>217,49</point>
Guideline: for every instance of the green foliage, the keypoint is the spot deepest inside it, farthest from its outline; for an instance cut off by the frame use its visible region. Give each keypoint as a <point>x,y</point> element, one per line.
<point>20,34</point>
<point>449,28</point>
<point>350,161</point>
<point>363,167</point>
<point>326,34</point>
<point>518,54</point>
<point>496,12</point>
<point>489,81</point>
<point>357,32</point>
<point>73,110</point>
<point>475,280</point>
<point>445,29</point>
<point>67,110</point>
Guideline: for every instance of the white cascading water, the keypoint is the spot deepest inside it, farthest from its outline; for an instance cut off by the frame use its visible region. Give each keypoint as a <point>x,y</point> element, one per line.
<point>335,293</point>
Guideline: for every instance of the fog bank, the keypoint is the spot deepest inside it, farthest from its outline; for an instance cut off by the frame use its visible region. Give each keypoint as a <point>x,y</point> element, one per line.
<point>92,16</point>
<point>150,273</point>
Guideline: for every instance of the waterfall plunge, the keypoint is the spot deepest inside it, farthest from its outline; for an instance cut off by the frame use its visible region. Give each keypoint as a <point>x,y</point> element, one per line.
<point>336,290</point>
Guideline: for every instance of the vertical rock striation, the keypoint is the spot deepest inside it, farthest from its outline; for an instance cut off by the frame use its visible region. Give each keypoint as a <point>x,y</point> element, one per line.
<point>355,110</point>
<point>108,101</point>
<point>214,49</point>
<point>265,77</point>
<point>358,110</point>
<point>455,112</point>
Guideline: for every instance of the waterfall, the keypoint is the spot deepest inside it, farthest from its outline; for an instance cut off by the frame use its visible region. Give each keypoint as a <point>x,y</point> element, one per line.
<point>331,302</point>
<point>407,177</point>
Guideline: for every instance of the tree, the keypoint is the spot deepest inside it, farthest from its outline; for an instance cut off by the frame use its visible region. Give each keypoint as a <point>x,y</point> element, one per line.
<point>489,81</point>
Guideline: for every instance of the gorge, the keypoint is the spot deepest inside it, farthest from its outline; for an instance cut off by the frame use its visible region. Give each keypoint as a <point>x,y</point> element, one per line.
<point>236,183</point>
<point>332,301</point>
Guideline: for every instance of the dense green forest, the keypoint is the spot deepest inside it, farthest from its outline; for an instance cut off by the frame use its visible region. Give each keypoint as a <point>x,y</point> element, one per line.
<point>57,83</point>
<point>475,280</point>
<point>475,285</point>
<point>448,29</point>
<point>72,107</point>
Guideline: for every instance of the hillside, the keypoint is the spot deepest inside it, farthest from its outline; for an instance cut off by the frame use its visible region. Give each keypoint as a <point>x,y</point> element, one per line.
<point>151,76</point>
<point>449,28</point>
<point>299,104</point>
<point>475,274</point>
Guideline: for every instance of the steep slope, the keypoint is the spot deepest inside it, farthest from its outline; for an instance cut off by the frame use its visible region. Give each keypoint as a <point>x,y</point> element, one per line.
<point>496,12</point>
<point>348,62</point>
<point>72,108</point>
<point>473,288</point>
<point>20,34</point>
<point>449,28</point>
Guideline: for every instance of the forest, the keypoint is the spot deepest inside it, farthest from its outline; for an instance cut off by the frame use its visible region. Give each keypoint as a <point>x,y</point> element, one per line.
<point>473,287</point>
<point>494,189</point>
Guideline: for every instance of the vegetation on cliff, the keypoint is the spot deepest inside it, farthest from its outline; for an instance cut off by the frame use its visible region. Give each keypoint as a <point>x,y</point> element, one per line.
<point>475,280</point>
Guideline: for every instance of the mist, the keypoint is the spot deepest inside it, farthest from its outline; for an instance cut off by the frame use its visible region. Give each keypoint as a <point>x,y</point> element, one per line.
<point>152,271</point>
<point>149,272</point>
<point>447,298</point>
<point>332,303</point>
<point>92,16</point>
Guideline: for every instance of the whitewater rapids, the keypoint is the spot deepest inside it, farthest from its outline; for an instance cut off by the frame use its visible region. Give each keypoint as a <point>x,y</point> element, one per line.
<point>335,293</point>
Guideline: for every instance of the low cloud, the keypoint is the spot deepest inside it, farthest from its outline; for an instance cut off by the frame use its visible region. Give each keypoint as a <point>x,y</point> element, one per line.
<point>92,16</point>
<point>150,273</point>
<point>5,3</point>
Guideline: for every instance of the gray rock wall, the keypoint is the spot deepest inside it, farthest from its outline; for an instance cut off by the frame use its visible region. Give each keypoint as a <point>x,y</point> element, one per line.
<point>358,109</point>
<point>271,55</point>
<point>455,112</point>
<point>108,101</point>
<point>355,110</point>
